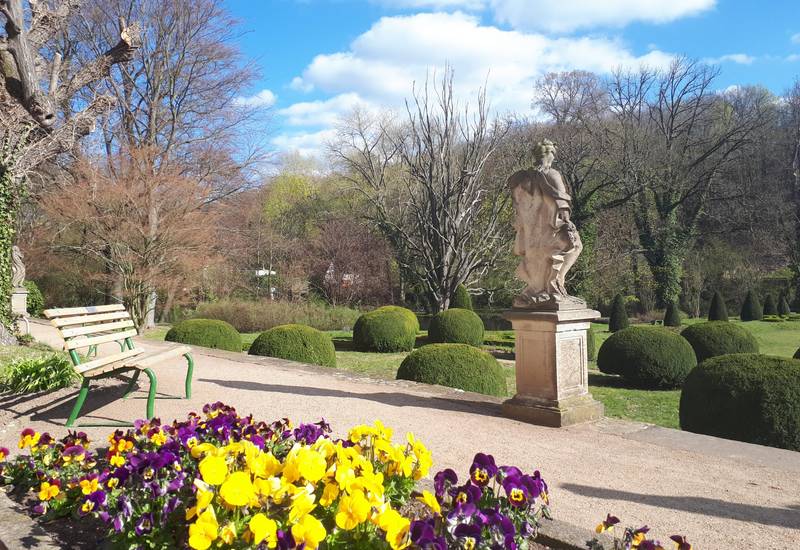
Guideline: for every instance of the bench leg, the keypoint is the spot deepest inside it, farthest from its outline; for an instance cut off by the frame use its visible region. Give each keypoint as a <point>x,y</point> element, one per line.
<point>131,384</point>
<point>76,409</point>
<point>189,372</point>
<point>151,395</point>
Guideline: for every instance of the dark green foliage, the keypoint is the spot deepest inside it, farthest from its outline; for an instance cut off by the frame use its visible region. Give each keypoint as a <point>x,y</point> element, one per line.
<point>747,397</point>
<point>591,344</point>
<point>751,308</point>
<point>717,311</point>
<point>387,329</point>
<point>648,357</point>
<point>296,343</point>
<point>619,316</point>
<point>209,333</point>
<point>797,354</point>
<point>461,298</point>
<point>457,326</point>
<point>770,307</point>
<point>672,315</point>
<point>456,366</point>
<point>719,338</point>
<point>35,299</point>
<point>783,305</point>
<point>49,372</point>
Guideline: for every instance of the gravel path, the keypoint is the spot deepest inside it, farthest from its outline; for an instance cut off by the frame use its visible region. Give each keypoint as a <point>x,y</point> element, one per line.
<point>720,494</point>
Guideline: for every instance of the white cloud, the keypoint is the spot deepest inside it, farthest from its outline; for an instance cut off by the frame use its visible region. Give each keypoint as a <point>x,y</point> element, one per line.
<point>795,39</point>
<point>740,58</point>
<point>308,144</point>
<point>433,4</point>
<point>380,66</point>
<point>568,15</point>
<point>264,98</point>
<point>322,112</point>
<point>298,84</point>
<point>792,58</point>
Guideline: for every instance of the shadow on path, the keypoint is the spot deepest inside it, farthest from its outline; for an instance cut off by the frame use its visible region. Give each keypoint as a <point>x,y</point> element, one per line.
<point>781,517</point>
<point>395,399</point>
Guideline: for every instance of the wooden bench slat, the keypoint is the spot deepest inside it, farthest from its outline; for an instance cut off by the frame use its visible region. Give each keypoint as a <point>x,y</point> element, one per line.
<point>69,311</point>
<point>74,343</point>
<point>92,329</point>
<point>152,358</point>
<point>107,360</point>
<point>84,319</point>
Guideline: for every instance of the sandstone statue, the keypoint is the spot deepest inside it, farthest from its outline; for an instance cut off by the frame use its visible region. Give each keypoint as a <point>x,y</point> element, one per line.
<point>547,241</point>
<point>17,267</point>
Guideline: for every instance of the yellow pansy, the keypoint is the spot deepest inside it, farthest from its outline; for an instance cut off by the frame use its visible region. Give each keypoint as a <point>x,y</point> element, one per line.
<point>430,501</point>
<point>353,510</point>
<point>261,464</point>
<point>117,460</point>
<point>203,448</point>
<point>309,531</point>
<point>213,469</point>
<point>329,494</point>
<point>158,438</point>
<point>48,491</point>
<point>238,489</point>
<point>395,526</point>
<point>302,504</point>
<point>228,533</point>
<point>263,529</point>
<point>29,438</point>
<point>306,463</point>
<point>204,531</point>
<point>89,486</point>
<point>204,498</point>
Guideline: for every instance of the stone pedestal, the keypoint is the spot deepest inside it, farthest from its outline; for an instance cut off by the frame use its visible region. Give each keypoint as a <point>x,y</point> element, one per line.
<point>552,367</point>
<point>19,301</point>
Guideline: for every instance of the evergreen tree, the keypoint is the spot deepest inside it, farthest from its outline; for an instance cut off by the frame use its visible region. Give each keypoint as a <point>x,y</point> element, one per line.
<point>717,310</point>
<point>770,307</point>
<point>783,304</point>
<point>619,316</point>
<point>751,308</point>
<point>461,298</point>
<point>672,316</point>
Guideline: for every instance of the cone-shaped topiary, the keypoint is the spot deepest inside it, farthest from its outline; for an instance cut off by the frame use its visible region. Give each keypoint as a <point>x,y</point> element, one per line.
<point>209,333</point>
<point>457,326</point>
<point>746,397</point>
<point>751,308</point>
<point>719,338</point>
<point>461,298</point>
<point>456,366</point>
<point>296,343</point>
<point>717,311</point>
<point>619,316</point>
<point>672,316</point>
<point>770,307</point>
<point>591,344</point>
<point>783,307</point>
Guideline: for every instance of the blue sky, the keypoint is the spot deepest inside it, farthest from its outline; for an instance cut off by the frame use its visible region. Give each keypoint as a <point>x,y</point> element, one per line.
<point>320,59</point>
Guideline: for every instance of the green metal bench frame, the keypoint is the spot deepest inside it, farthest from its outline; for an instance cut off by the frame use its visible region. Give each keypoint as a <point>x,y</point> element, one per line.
<point>108,324</point>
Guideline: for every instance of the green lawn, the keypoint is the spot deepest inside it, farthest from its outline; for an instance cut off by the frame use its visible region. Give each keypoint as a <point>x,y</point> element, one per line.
<point>11,353</point>
<point>620,400</point>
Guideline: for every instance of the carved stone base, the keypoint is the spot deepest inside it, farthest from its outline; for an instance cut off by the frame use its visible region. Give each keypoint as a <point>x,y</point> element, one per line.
<point>552,367</point>
<point>19,301</point>
<point>553,414</point>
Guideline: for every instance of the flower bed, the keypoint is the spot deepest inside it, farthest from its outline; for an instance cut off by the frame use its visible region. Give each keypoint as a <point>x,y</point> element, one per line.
<point>229,481</point>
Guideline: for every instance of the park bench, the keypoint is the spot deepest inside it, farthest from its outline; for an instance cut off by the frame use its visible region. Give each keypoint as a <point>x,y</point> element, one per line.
<point>88,327</point>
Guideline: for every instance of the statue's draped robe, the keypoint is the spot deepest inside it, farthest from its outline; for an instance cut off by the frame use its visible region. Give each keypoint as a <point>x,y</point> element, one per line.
<point>542,238</point>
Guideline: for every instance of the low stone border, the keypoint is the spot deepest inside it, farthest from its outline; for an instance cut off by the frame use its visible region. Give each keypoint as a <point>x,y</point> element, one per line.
<point>18,531</point>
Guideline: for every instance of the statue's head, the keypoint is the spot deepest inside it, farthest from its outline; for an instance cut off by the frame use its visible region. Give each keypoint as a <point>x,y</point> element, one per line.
<point>544,152</point>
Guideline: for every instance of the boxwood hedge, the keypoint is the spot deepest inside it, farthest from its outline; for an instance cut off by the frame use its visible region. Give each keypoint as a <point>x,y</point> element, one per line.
<point>299,343</point>
<point>209,333</point>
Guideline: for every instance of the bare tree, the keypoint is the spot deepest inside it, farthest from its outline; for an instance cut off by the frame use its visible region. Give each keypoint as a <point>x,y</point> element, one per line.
<point>40,116</point>
<point>669,139</point>
<point>425,184</point>
<point>180,94</point>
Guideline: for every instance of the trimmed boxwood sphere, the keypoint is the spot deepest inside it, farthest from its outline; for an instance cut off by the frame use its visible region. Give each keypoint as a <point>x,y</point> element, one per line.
<point>719,338</point>
<point>457,366</point>
<point>746,397</point>
<point>457,326</point>
<point>209,333</point>
<point>299,343</point>
<point>649,357</point>
<point>387,329</point>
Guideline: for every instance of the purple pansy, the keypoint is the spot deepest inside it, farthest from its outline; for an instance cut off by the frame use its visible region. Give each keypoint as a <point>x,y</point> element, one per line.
<point>483,469</point>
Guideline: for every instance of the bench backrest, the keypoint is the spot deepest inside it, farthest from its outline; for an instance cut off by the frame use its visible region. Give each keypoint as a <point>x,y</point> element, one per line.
<point>85,327</point>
